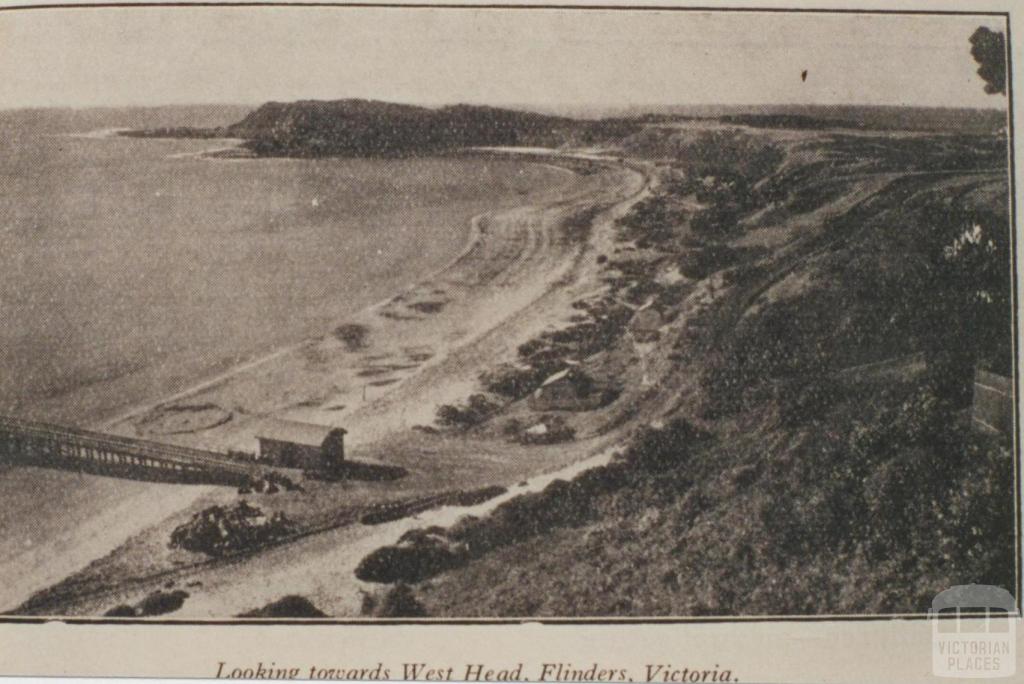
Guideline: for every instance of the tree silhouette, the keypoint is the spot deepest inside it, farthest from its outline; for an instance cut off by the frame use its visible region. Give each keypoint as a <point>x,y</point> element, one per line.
<point>988,48</point>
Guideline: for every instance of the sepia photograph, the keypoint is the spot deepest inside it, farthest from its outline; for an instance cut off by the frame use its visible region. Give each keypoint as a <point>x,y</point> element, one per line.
<point>376,313</point>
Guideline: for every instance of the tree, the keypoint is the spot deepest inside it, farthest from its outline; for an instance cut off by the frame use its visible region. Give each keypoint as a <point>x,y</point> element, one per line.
<point>988,48</point>
<point>401,602</point>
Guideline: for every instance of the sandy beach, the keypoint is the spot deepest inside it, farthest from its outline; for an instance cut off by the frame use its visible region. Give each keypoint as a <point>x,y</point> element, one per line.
<point>421,337</point>
<point>381,374</point>
<point>374,228</point>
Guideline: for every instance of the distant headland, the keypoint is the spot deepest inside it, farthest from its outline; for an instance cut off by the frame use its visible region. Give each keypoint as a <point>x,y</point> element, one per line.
<point>370,128</point>
<point>373,128</point>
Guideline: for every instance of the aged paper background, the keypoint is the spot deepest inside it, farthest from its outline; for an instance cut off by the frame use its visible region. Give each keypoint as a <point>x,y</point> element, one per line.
<point>852,650</point>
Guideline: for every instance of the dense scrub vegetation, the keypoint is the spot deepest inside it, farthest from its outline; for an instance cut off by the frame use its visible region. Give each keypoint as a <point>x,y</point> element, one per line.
<point>774,523</point>
<point>914,272</point>
<point>422,554</point>
<point>801,479</point>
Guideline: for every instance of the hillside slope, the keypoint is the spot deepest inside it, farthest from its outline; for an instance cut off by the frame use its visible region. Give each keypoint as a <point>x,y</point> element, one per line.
<point>782,469</point>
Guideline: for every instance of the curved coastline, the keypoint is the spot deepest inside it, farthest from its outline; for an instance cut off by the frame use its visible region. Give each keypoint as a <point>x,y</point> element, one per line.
<point>518,272</point>
<point>80,549</point>
<point>473,237</point>
<point>472,241</point>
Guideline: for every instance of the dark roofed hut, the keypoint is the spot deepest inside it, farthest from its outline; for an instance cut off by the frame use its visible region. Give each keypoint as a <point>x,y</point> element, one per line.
<point>291,444</point>
<point>569,390</point>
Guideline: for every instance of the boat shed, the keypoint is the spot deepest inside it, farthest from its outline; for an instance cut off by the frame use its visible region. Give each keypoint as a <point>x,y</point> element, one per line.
<point>291,444</point>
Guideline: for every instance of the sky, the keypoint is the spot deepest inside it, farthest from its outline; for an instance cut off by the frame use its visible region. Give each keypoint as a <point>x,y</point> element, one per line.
<point>540,57</point>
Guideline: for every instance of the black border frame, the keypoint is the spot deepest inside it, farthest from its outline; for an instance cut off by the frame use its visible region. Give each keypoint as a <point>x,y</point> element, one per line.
<point>610,621</point>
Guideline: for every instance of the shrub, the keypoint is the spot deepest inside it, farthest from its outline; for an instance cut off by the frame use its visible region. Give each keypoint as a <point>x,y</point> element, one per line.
<point>716,221</point>
<point>161,603</point>
<point>269,482</point>
<point>697,264</point>
<point>653,221</point>
<point>658,449</point>
<point>561,503</point>
<point>805,398</point>
<point>746,273</point>
<point>919,419</point>
<point>413,560</point>
<point>512,427</point>
<point>557,430</point>
<point>782,343</point>
<point>732,154</point>
<point>368,604</point>
<point>478,409</point>
<point>578,226</point>
<point>474,497</point>
<point>400,602</point>
<point>546,354</point>
<point>123,610</point>
<point>292,606</point>
<point>976,513</point>
<point>219,530</point>
<point>514,382</point>
<point>353,335</point>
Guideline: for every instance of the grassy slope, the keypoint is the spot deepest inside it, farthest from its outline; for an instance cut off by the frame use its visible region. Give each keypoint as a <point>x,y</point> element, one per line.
<point>819,489</point>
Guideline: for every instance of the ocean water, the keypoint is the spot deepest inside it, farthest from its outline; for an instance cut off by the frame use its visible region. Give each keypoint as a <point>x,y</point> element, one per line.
<point>132,268</point>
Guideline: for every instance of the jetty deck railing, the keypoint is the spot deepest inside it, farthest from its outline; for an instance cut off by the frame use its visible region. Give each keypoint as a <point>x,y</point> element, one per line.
<point>32,443</point>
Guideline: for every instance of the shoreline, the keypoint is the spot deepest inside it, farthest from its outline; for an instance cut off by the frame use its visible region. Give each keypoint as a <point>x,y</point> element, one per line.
<point>186,496</point>
<point>388,325</point>
<point>511,263</point>
<point>473,235</point>
<point>319,241</point>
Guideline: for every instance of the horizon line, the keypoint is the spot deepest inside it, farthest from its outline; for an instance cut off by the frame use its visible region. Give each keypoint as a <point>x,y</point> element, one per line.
<point>649,107</point>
